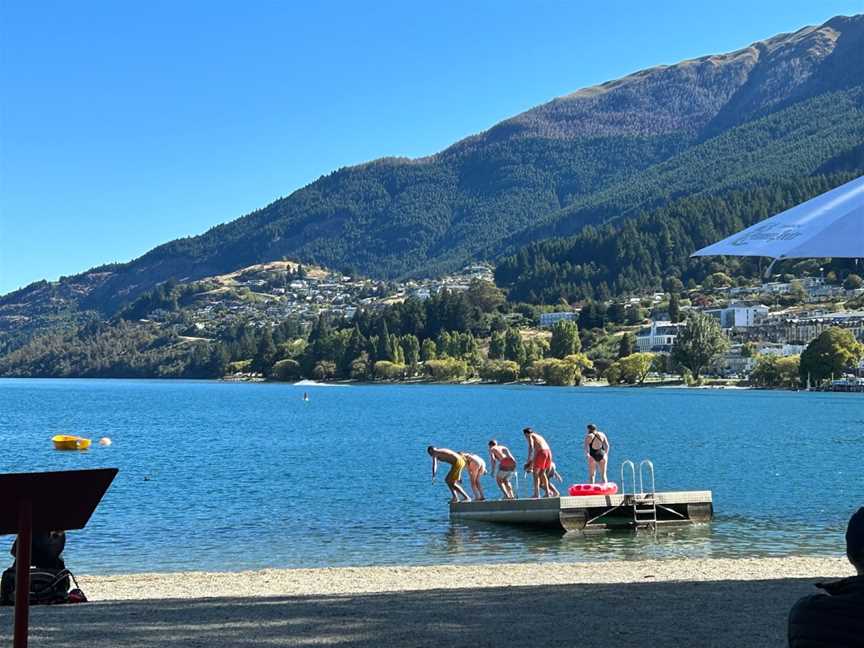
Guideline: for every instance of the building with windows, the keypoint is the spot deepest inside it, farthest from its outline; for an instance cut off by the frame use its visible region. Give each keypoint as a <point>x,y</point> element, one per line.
<point>547,320</point>
<point>739,315</point>
<point>659,337</point>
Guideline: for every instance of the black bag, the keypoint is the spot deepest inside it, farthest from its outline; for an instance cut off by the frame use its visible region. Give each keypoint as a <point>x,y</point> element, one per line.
<point>46,586</point>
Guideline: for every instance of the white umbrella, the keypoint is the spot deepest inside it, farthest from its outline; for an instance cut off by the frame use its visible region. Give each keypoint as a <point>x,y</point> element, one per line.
<point>830,225</point>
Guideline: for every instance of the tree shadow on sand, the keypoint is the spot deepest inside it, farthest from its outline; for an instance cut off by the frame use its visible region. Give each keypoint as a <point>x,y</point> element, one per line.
<point>711,613</point>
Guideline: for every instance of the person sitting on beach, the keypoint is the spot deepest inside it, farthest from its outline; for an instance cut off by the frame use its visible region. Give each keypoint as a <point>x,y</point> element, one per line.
<point>454,476</point>
<point>596,451</point>
<point>501,455</point>
<point>476,468</point>
<point>539,460</point>
<point>834,618</point>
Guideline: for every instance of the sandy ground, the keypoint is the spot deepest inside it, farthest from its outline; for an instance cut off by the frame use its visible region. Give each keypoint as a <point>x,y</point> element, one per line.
<point>714,602</point>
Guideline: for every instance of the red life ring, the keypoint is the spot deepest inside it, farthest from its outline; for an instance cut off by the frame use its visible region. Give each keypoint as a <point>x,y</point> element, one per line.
<point>609,488</point>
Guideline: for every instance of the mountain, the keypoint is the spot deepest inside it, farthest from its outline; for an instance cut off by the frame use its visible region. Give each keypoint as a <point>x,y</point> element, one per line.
<point>786,108</point>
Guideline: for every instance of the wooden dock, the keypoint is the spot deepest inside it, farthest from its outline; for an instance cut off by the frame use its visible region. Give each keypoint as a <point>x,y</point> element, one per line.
<point>625,511</point>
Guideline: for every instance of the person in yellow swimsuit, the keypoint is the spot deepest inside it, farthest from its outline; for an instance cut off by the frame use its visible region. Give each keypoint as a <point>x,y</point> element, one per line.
<point>457,465</point>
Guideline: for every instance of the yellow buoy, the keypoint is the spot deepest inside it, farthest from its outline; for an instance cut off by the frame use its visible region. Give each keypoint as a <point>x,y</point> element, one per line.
<point>69,442</point>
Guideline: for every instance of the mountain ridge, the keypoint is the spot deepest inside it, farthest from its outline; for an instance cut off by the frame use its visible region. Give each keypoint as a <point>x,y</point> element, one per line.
<point>547,171</point>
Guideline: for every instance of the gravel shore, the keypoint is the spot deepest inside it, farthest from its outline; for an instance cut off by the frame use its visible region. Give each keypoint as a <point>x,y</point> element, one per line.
<point>368,580</point>
<point>676,602</point>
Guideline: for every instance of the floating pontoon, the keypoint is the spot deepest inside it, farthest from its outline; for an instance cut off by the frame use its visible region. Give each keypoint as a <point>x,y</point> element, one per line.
<point>639,508</point>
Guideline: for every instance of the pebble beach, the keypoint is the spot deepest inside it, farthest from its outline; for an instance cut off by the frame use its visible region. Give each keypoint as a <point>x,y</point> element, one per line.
<point>674,602</point>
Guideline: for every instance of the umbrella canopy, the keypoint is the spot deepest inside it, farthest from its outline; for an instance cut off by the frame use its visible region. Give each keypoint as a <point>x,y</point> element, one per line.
<point>830,225</point>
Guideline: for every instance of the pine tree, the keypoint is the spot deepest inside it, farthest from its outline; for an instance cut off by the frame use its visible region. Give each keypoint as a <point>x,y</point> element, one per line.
<point>674,308</point>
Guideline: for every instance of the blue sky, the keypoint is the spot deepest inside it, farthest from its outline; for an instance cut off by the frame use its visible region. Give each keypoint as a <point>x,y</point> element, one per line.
<point>125,125</point>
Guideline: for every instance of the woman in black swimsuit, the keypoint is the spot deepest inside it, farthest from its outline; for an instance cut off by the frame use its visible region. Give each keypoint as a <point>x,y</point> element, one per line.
<point>596,451</point>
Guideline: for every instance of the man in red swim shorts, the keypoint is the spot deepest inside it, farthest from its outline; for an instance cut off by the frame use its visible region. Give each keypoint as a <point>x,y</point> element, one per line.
<point>539,461</point>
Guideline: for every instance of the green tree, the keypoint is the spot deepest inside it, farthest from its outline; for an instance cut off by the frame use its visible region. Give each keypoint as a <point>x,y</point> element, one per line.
<point>834,351</point>
<point>514,348</point>
<point>496,346</point>
<point>411,350</point>
<point>635,367</point>
<point>428,350</point>
<point>674,308</point>
<point>565,339</point>
<point>384,349</point>
<point>627,345</point>
<point>773,371</point>
<point>485,295</point>
<point>446,369</point>
<point>500,371</point>
<point>266,352</point>
<point>285,370</point>
<point>698,343</point>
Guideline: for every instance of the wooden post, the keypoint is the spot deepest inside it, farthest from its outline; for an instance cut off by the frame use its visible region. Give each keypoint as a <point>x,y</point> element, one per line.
<point>22,572</point>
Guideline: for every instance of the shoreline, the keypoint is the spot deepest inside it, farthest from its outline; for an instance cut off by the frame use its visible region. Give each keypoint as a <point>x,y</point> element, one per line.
<point>723,603</point>
<point>383,579</point>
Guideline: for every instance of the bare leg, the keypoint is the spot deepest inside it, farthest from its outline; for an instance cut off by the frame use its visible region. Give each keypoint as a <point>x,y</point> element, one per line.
<point>544,482</point>
<point>603,462</point>
<point>479,487</point>
<point>554,491</point>
<point>476,488</point>
<point>592,468</point>
<point>536,475</point>
<point>456,488</point>
<point>510,490</point>
<point>502,484</point>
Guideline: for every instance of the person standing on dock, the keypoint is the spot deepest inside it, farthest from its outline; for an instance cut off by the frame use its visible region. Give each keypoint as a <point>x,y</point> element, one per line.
<point>539,461</point>
<point>501,455</point>
<point>476,469</point>
<point>596,447</point>
<point>457,465</point>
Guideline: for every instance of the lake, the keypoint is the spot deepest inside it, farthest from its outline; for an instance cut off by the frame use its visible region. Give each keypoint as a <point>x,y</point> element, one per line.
<point>228,476</point>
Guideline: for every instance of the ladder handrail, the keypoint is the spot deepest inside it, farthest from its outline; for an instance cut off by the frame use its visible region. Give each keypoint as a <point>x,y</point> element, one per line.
<point>625,464</point>
<point>646,463</point>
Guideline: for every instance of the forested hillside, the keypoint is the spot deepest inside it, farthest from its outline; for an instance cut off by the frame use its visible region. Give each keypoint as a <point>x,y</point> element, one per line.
<point>779,111</point>
<point>637,254</point>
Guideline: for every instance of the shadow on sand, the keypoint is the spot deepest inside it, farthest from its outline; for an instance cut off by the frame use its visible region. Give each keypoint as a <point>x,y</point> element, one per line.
<point>719,613</point>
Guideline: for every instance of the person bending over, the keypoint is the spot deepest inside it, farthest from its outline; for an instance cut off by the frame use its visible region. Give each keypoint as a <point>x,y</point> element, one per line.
<point>596,447</point>
<point>835,618</point>
<point>457,464</point>
<point>552,473</point>
<point>476,468</point>
<point>501,455</point>
<point>539,460</point>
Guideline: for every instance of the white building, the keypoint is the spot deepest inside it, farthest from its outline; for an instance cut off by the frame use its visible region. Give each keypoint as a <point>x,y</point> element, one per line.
<point>660,336</point>
<point>781,350</point>
<point>549,319</point>
<point>739,315</point>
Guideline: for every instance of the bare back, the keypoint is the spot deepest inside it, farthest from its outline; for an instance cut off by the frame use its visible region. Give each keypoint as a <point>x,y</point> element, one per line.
<point>537,442</point>
<point>446,455</point>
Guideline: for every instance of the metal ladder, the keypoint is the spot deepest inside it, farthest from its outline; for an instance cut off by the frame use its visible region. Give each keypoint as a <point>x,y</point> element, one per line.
<point>644,501</point>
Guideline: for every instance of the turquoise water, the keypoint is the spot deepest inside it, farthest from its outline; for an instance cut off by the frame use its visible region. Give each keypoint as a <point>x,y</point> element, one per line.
<point>232,476</point>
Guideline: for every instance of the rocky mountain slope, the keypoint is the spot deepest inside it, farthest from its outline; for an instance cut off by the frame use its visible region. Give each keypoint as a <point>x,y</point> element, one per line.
<point>784,108</point>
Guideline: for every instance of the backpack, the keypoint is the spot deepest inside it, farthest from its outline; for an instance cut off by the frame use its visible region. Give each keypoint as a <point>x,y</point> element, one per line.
<point>46,586</point>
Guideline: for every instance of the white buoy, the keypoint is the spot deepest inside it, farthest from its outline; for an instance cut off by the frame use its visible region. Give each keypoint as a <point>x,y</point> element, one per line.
<point>104,441</point>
